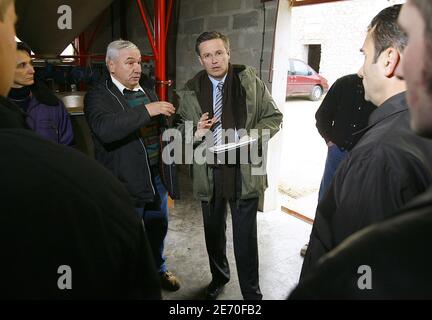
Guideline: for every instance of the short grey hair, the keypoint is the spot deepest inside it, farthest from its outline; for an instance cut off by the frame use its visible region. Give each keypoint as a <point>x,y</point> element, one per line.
<point>117,45</point>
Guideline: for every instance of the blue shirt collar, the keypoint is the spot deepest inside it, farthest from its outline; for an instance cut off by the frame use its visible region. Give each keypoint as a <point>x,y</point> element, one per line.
<point>215,82</point>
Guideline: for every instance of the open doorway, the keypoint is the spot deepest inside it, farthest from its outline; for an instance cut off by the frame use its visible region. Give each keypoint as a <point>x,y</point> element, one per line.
<point>323,37</point>
<point>314,56</point>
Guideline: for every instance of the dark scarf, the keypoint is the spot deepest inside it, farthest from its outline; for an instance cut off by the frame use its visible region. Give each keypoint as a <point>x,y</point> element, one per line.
<point>40,91</point>
<point>234,115</point>
<point>21,97</point>
<point>43,94</point>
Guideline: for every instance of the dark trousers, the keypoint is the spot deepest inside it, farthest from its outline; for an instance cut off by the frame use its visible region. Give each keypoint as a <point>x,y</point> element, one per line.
<point>156,224</point>
<point>334,157</point>
<point>243,213</point>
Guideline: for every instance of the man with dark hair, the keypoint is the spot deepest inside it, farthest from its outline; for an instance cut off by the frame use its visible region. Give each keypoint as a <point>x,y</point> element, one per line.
<point>126,122</point>
<point>389,260</point>
<point>219,99</point>
<point>390,165</point>
<point>212,35</point>
<point>342,114</point>
<point>67,228</point>
<point>46,114</point>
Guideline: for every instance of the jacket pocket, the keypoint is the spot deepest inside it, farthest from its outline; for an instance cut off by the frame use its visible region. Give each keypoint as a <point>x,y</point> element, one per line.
<point>48,129</point>
<point>253,183</point>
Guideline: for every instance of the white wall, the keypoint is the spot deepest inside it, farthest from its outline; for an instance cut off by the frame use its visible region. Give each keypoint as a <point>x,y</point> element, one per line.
<point>340,28</point>
<point>280,70</point>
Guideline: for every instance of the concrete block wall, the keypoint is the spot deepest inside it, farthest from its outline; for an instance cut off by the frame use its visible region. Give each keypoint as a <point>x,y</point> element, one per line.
<point>241,20</point>
<point>340,29</point>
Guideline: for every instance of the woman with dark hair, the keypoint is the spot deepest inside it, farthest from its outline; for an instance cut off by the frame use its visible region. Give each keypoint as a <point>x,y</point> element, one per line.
<point>46,114</point>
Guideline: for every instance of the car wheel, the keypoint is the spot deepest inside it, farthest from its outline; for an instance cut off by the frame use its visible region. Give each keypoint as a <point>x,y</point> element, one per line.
<point>316,93</point>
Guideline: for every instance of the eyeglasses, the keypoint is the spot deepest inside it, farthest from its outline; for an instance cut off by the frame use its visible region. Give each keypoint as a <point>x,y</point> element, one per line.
<point>218,55</point>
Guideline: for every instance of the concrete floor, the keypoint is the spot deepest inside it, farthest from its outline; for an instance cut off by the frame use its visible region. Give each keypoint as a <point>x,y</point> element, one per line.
<point>280,237</point>
<point>304,153</point>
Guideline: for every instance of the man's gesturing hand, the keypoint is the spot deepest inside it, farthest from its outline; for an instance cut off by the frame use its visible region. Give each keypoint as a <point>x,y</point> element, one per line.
<point>160,107</point>
<point>204,125</point>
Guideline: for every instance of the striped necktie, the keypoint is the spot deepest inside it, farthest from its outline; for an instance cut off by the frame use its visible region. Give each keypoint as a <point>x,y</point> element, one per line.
<point>217,111</point>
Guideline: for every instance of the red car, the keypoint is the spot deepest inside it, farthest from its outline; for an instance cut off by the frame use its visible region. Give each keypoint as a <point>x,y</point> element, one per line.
<point>305,81</point>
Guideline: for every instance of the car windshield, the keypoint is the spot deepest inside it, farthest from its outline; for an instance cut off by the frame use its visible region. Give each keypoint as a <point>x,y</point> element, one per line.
<point>300,68</point>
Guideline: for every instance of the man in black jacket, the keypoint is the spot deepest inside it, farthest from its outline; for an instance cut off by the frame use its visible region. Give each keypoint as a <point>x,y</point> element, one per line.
<point>390,260</point>
<point>67,227</point>
<point>343,112</point>
<point>390,164</point>
<point>125,121</point>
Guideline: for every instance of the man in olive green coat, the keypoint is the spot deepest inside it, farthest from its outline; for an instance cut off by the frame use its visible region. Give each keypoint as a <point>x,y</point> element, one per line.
<point>227,103</point>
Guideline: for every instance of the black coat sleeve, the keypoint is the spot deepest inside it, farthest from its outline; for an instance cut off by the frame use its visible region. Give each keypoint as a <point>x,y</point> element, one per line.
<point>109,125</point>
<point>394,251</point>
<point>365,190</point>
<point>143,276</point>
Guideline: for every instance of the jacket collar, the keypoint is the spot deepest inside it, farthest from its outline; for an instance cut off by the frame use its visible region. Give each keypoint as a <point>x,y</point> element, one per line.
<point>392,106</point>
<point>193,84</point>
<point>121,87</point>
<point>112,88</point>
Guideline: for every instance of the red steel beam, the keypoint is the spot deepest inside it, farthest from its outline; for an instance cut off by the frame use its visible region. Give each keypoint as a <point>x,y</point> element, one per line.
<point>170,6</point>
<point>82,50</point>
<point>160,32</point>
<point>147,27</point>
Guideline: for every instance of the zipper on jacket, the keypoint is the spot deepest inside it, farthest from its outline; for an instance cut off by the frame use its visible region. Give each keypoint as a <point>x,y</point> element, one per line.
<point>57,133</point>
<point>162,168</point>
<point>139,138</point>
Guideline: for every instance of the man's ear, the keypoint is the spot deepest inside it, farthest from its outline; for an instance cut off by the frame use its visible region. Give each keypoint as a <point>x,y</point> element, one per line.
<point>391,61</point>
<point>200,61</point>
<point>399,69</point>
<point>111,66</point>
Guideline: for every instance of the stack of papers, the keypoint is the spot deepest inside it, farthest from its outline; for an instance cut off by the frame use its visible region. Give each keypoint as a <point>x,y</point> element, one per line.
<point>230,146</point>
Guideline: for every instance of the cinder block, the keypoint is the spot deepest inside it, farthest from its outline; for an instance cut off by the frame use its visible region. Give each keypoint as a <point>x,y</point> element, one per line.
<point>246,20</point>
<point>203,8</point>
<point>245,57</point>
<point>227,5</point>
<point>270,18</point>
<point>180,28</point>
<point>191,43</point>
<point>234,39</point>
<point>185,10</point>
<point>195,26</point>
<point>252,4</point>
<point>252,40</point>
<point>218,23</point>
